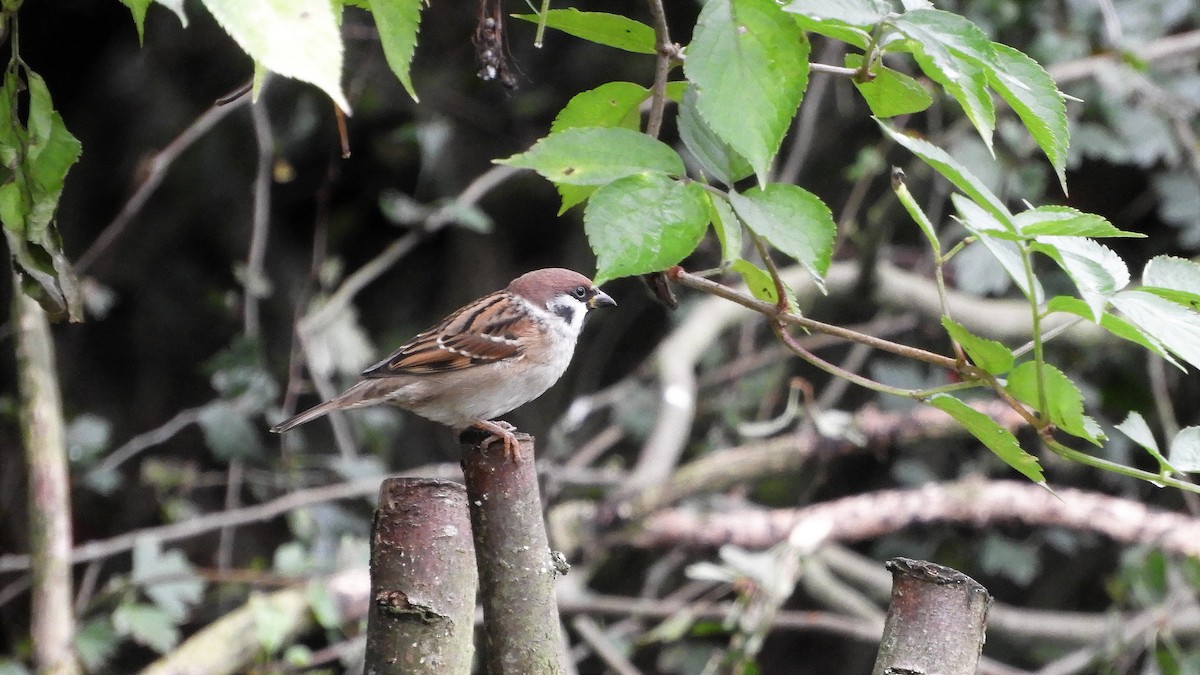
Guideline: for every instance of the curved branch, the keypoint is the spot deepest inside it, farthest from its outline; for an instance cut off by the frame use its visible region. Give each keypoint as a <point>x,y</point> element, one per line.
<point>969,502</point>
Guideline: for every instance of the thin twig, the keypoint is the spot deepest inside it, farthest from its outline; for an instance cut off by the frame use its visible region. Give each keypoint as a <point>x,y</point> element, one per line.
<point>685,278</point>
<point>666,51</point>
<point>254,280</point>
<point>156,171</point>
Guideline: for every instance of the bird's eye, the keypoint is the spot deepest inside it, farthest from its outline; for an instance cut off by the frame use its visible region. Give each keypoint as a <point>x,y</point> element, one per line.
<point>579,292</point>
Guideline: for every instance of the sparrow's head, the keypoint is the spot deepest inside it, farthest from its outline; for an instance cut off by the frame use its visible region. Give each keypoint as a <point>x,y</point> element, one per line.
<point>562,292</point>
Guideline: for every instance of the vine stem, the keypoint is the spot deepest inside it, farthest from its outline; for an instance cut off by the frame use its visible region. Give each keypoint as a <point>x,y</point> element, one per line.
<point>1038,356</point>
<point>685,278</point>
<point>1096,462</point>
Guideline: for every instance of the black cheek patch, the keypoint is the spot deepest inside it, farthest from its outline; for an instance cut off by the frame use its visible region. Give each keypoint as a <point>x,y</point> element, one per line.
<point>564,311</point>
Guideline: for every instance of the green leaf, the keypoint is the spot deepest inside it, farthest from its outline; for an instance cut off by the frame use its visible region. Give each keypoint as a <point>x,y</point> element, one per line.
<point>850,12</point>
<point>1064,221</point>
<point>727,227</point>
<point>997,439</point>
<point>954,172</point>
<point>1175,279</point>
<point>95,643</point>
<point>956,54</point>
<point>1031,92</point>
<point>793,220</point>
<point>1173,325</point>
<point>749,64</point>
<point>1185,450</point>
<point>295,38</point>
<point>37,158</point>
<point>1135,428</point>
<point>760,283</point>
<point>715,156</point>
<point>990,355</point>
<point>644,223</point>
<point>1064,402</point>
<point>147,625</point>
<point>167,578</point>
<point>572,195</point>
<point>1110,322</point>
<point>1097,271</point>
<point>980,223</point>
<point>595,156</point>
<point>613,104</point>
<point>398,22</point>
<point>228,433</point>
<point>612,30</point>
<point>889,93</point>
<point>838,30</point>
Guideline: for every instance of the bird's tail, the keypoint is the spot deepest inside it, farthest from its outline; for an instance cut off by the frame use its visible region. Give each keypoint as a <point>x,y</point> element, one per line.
<point>361,395</point>
<point>308,415</point>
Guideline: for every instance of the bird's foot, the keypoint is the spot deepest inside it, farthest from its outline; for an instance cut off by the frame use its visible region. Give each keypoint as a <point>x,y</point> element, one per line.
<point>499,430</point>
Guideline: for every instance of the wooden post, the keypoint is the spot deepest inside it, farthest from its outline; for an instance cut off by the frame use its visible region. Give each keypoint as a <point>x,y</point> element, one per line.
<point>516,566</point>
<point>423,580</point>
<point>935,622</point>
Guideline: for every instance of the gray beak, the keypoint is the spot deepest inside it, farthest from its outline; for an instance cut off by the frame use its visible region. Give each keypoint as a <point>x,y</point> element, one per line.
<point>600,299</point>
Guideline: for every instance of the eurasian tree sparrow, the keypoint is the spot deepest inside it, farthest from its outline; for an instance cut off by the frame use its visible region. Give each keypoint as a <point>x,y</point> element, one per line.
<point>488,358</point>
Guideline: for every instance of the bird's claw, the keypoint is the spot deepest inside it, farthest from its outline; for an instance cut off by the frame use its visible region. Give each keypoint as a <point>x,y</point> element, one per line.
<point>499,430</point>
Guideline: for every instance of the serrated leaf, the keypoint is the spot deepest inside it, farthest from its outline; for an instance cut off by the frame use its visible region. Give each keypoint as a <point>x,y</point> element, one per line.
<point>990,355</point>
<point>147,625</point>
<point>889,93</point>
<point>613,104</point>
<point>851,12</point>
<point>995,437</point>
<point>1064,402</point>
<point>1176,327</point>
<point>612,30</point>
<point>956,54</point>
<point>727,227</point>
<point>1184,454</point>
<point>228,433</point>
<point>596,155</point>
<point>1064,221</point>
<point>715,156</point>
<point>793,220</point>
<point>980,223</point>
<point>1175,279</point>
<point>299,39</point>
<point>1110,322</point>
<point>757,280</point>
<point>1138,431</point>
<point>954,172</point>
<point>749,64</point>
<point>398,22</point>
<point>167,577</point>
<point>1029,89</point>
<point>644,223</point>
<point>1097,271</point>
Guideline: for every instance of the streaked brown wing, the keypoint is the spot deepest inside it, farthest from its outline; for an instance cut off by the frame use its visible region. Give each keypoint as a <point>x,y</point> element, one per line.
<point>485,331</point>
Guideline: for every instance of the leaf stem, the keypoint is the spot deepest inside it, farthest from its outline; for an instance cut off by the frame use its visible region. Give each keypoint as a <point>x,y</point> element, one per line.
<point>1038,355</point>
<point>1090,460</point>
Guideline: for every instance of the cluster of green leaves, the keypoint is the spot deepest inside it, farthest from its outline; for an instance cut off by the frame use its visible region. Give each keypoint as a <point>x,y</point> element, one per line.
<point>745,74</point>
<point>36,151</point>
<point>301,39</point>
